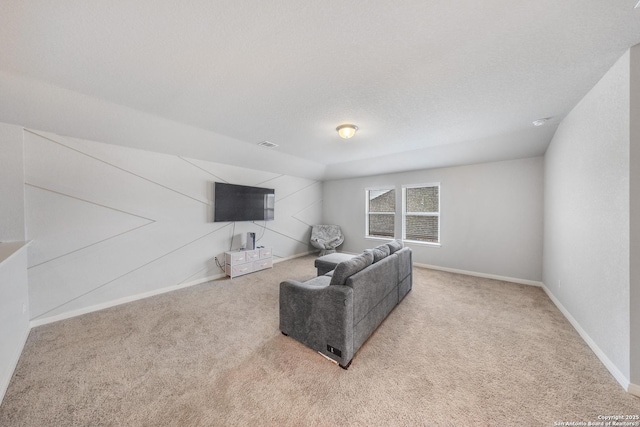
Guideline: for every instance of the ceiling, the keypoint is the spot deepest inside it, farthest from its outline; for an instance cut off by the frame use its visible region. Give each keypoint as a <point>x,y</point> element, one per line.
<point>429,83</point>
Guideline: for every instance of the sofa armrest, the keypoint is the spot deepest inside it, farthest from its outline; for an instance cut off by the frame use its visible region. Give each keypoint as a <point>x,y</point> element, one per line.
<point>296,302</point>
<point>319,316</point>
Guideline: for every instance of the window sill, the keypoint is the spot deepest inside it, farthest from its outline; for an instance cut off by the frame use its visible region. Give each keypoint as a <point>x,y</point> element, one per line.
<point>386,239</point>
<point>409,242</point>
<point>419,243</point>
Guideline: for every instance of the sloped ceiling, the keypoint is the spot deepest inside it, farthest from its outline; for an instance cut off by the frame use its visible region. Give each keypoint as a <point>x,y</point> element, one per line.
<point>429,83</point>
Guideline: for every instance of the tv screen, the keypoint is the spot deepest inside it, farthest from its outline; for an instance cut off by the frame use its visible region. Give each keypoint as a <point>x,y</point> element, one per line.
<point>242,203</point>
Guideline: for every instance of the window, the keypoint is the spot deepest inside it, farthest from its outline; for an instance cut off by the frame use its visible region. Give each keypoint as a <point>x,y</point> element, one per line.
<point>421,213</point>
<point>381,213</point>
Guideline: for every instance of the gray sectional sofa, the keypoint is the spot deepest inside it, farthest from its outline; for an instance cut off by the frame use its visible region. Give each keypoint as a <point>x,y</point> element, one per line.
<point>335,313</point>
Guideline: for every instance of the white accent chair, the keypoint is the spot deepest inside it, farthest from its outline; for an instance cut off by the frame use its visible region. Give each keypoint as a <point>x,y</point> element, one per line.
<point>326,238</point>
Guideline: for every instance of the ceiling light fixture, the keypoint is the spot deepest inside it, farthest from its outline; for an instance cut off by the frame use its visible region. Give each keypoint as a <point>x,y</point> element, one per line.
<point>267,144</point>
<point>346,131</point>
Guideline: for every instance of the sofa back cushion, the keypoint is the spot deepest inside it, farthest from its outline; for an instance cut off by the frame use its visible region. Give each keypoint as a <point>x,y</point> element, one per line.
<point>380,252</point>
<point>395,246</point>
<point>350,267</point>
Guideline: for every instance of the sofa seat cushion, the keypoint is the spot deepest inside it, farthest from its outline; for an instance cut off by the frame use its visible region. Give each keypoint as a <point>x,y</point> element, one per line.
<point>350,267</point>
<point>328,262</point>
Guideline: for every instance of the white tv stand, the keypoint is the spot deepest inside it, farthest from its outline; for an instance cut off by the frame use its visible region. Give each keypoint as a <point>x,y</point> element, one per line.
<point>238,263</point>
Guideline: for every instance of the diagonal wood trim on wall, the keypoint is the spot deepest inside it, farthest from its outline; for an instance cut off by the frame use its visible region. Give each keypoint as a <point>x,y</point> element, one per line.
<point>111,222</point>
<point>115,166</point>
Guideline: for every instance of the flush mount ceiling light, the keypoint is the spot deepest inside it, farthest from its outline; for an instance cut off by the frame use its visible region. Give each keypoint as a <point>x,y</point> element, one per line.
<point>540,122</point>
<point>346,131</point>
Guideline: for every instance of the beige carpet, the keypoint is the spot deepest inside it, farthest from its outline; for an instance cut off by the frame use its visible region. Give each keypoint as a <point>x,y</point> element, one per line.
<point>457,351</point>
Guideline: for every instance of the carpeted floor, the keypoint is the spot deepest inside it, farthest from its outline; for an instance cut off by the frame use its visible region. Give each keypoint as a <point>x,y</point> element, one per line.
<point>458,350</point>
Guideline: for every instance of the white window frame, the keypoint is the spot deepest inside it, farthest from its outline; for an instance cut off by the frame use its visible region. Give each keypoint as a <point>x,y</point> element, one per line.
<point>436,214</point>
<point>366,214</point>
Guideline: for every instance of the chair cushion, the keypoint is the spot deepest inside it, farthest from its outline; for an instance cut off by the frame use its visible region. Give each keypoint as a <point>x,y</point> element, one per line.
<point>350,267</point>
<point>395,246</point>
<point>326,236</point>
<point>380,252</point>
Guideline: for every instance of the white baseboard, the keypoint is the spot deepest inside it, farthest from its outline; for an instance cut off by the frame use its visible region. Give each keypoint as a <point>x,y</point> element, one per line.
<point>613,369</point>
<point>5,380</point>
<point>8,374</point>
<point>131,298</point>
<point>275,261</point>
<point>483,275</point>
<point>109,304</point>
<point>634,389</point>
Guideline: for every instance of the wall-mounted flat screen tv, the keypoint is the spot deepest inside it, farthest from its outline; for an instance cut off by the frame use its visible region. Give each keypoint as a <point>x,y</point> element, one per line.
<point>242,203</point>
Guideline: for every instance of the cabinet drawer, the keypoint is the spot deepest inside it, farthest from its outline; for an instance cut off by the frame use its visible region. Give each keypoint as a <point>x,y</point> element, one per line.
<point>239,270</point>
<point>252,255</point>
<point>239,263</point>
<point>237,258</point>
<point>265,253</point>
<point>262,264</point>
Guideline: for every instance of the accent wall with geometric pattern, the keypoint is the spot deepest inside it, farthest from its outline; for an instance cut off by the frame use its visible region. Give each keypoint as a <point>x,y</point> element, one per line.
<point>110,224</point>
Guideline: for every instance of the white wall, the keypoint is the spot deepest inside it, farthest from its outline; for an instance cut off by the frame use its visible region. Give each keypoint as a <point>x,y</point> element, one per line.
<point>11,184</point>
<point>491,216</point>
<point>14,300</point>
<point>14,309</point>
<point>586,236</point>
<point>634,215</point>
<point>110,223</point>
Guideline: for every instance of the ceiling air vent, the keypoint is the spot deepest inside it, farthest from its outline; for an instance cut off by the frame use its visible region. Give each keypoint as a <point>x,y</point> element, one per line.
<point>267,144</point>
